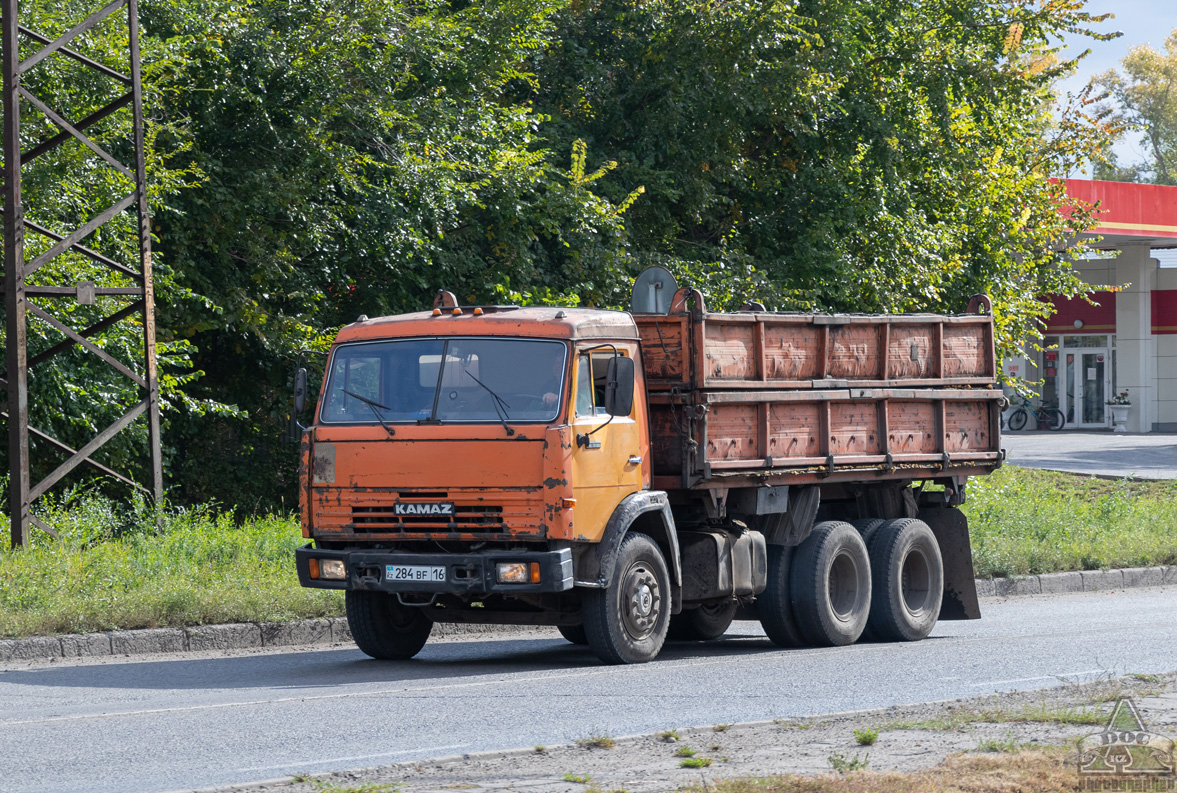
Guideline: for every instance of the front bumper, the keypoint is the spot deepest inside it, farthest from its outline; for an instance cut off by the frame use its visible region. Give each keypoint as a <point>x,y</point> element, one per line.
<point>472,573</point>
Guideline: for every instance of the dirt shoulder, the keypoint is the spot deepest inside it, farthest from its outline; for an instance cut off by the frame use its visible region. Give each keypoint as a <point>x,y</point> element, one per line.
<point>1023,730</point>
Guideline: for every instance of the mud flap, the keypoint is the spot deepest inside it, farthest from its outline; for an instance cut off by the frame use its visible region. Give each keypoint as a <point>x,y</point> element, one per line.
<point>951,528</point>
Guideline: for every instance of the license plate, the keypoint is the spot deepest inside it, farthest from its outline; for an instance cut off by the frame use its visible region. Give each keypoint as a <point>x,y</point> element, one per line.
<point>414,572</point>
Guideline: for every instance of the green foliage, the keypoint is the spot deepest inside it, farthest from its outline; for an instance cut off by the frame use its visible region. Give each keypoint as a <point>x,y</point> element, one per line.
<point>890,156</point>
<point>1023,522</point>
<point>695,762</point>
<point>131,566</point>
<point>846,765</point>
<point>866,736</point>
<point>313,161</point>
<point>1144,100</point>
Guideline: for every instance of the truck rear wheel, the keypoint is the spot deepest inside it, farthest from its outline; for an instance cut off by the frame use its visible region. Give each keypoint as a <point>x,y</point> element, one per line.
<point>775,603</point>
<point>573,633</point>
<point>831,585</point>
<point>384,628</point>
<point>867,528</point>
<point>908,574</point>
<point>702,624</point>
<point>626,622</point>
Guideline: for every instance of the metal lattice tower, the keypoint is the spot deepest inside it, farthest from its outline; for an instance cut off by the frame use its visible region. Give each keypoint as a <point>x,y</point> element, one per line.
<point>19,296</point>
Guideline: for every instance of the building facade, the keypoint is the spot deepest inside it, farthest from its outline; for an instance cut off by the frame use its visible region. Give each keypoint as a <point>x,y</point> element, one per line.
<point>1128,340</point>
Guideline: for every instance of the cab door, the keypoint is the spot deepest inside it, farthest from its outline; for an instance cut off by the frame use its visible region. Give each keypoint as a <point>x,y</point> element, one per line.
<point>607,450</point>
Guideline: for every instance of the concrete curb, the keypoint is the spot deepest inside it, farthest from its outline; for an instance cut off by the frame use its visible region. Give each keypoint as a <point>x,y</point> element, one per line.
<point>249,635</point>
<point>236,636</point>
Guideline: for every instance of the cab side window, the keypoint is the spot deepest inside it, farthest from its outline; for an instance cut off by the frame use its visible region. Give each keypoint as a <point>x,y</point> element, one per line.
<point>591,375</point>
<point>584,387</point>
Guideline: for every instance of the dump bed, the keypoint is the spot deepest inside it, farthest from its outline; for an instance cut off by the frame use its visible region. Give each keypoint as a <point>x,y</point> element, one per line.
<point>748,396</point>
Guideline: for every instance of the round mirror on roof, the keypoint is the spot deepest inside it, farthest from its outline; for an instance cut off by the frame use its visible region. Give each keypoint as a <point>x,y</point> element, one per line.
<point>652,291</point>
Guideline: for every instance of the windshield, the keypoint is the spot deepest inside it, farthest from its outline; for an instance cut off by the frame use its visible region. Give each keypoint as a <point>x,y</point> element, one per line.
<point>461,379</point>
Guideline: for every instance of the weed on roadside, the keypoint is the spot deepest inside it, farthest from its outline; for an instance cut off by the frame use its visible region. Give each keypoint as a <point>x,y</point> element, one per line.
<point>720,727</point>
<point>1045,770</point>
<point>685,751</point>
<point>845,765</point>
<point>669,736</point>
<point>580,780</point>
<point>601,740</point>
<point>324,787</point>
<point>695,762</point>
<point>1008,745</point>
<point>866,737</point>
<point>540,749</point>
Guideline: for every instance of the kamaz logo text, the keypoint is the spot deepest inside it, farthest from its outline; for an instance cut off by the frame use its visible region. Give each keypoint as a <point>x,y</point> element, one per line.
<point>434,508</point>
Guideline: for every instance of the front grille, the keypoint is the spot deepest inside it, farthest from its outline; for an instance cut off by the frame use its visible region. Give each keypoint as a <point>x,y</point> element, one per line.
<point>381,519</point>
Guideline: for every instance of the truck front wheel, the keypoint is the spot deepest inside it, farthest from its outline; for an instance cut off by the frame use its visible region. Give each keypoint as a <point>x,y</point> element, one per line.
<point>831,584</point>
<point>384,628</point>
<point>626,622</point>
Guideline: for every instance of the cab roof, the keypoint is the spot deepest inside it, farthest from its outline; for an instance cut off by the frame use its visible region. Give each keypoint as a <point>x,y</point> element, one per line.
<point>549,322</point>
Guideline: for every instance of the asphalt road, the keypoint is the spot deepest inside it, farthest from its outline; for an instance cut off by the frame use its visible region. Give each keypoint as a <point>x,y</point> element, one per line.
<point>163,724</point>
<point>1143,456</point>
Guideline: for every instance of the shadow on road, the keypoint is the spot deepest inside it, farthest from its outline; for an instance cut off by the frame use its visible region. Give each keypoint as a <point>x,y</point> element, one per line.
<point>321,669</point>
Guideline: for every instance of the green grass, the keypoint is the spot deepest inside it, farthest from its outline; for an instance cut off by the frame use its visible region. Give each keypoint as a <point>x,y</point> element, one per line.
<point>1041,712</point>
<point>1024,522</point>
<point>119,567</point>
<point>695,762</point>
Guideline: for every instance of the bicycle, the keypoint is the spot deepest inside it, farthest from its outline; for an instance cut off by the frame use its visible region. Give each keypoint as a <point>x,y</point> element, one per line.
<point>1044,418</point>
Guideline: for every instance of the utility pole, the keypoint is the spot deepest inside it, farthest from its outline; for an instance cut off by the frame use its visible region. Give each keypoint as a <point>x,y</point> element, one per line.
<point>22,298</point>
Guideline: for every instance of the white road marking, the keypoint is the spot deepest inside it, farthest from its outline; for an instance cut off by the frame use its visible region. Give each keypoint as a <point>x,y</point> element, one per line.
<point>1040,677</point>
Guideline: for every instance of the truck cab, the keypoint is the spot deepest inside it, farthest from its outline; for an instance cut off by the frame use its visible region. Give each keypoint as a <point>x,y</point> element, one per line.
<point>462,460</point>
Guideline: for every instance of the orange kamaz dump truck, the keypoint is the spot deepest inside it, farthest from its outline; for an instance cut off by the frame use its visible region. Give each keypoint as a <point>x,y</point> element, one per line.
<point>630,477</point>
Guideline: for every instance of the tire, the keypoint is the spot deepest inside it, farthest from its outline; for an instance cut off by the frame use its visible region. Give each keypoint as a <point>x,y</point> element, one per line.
<point>573,633</point>
<point>626,622</point>
<point>831,585</point>
<point>702,624</point>
<point>1018,419</point>
<point>775,603</point>
<point>1055,420</point>
<point>908,574</point>
<point>384,628</point>
<point>867,528</point>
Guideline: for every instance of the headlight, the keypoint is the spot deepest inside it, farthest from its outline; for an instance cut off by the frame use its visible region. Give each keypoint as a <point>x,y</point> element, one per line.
<point>517,572</point>
<point>511,572</point>
<point>332,568</point>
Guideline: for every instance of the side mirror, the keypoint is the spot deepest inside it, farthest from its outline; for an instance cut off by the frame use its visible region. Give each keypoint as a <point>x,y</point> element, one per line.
<point>300,391</point>
<point>619,386</point>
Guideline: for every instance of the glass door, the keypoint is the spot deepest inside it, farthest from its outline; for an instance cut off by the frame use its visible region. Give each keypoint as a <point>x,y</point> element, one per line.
<point>1087,373</point>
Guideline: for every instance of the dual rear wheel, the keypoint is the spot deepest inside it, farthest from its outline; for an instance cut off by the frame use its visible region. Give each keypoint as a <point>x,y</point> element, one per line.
<point>884,579</point>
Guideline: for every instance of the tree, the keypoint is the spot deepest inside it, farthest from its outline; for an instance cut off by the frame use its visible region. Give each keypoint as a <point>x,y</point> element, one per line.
<point>1145,100</point>
<point>890,156</point>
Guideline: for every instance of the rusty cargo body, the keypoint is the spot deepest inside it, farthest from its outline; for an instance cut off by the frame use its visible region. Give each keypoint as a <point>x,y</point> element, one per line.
<point>632,478</point>
<point>757,397</point>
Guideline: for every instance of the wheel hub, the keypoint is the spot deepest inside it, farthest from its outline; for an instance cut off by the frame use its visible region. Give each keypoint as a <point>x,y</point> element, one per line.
<point>643,600</point>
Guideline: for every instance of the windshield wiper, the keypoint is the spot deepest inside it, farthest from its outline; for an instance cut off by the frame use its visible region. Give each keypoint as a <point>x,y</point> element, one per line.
<point>373,405</point>
<point>496,400</point>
